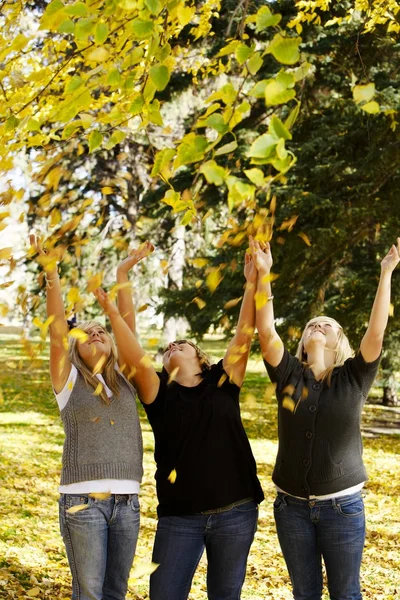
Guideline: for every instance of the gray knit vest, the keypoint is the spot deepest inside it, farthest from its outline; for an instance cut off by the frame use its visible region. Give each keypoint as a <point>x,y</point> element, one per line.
<point>101,441</point>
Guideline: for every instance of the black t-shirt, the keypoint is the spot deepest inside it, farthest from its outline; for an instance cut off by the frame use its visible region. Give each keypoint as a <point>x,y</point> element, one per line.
<point>198,432</point>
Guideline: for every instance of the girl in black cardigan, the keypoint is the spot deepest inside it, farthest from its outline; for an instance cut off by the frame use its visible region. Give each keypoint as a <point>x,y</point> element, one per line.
<point>319,472</point>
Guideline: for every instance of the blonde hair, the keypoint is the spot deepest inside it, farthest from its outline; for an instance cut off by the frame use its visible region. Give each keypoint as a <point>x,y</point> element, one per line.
<point>204,359</point>
<point>109,372</point>
<point>343,350</point>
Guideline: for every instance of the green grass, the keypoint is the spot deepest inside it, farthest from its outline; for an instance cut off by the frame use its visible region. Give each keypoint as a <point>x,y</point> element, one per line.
<point>32,556</point>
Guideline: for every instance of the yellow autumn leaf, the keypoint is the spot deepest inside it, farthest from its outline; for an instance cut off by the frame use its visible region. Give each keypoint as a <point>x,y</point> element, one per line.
<point>261,299</point>
<point>153,341</point>
<point>143,569</point>
<point>73,295</point>
<point>200,303</point>
<point>142,308</point>
<point>33,593</point>
<point>200,262</point>
<point>78,334</point>
<point>77,508</point>
<point>94,282</point>
<point>289,389</point>
<point>100,495</point>
<point>112,422</point>
<point>107,190</point>
<point>232,303</point>
<point>145,361</point>
<point>288,403</point>
<point>173,375</point>
<point>5,253</point>
<point>95,419</point>
<point>112,294</point>
<point>172,476</point>
<point>304,237</point>
<point>99,54</point>
<point>391,310</point>
<point>11,364</point>
<point>98,389</point>
<point>213,279</point>
<point>223,378</point>
<point>98,367</point>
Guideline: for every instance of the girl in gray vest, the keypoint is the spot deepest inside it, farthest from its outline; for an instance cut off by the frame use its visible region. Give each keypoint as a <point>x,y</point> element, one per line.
<point>102,457</point>
<point>319,471</point>
<point>207,484</point>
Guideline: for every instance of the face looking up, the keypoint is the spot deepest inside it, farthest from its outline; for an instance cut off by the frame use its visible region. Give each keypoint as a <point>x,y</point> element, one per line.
<point>97,344</point>
<point>179,352</point>
<point>321,332</point>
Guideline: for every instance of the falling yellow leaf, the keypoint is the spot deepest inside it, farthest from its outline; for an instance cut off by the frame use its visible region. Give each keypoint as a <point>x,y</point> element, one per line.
<point>232,303</point>
<point>172,476</point>
<point>95,419</point>
<point>153,341</point>
<point>200,303</point>
<point>269,277</point>
<point>112,294</point>
<point>94,282</point>
<point>99,365</point>
<point>100,495</point>
<point>145,361</point>
<point>173,375</point>
<point>198,283</point>
<point>107,190</point>
<point>288,403</point>
<point>223,378</point>
<point>200,262</point>
<point>143,308</point>
<point>304,237</point>
<point>391,310</point>
<point>143,569</point>
<point>289,389</point>
<point>70,385</point>
<point>5,253</point>
<point>77,508</point>
<point>79,334</point>
<point>164,266</point>
<point>261,299</point>
<point>112,422</point>
<point>98,389</point>
<point>304,393</point>
<point>213,279</point>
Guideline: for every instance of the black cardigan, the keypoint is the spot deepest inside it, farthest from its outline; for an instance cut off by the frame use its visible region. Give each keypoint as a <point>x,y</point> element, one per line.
<point>320,446</point>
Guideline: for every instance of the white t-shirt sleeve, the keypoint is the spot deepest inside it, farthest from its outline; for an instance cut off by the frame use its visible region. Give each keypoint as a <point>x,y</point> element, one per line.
<point>63,397</point>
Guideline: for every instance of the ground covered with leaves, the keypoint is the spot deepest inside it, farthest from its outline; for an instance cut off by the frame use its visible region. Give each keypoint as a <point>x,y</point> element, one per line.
<point>32,557</point>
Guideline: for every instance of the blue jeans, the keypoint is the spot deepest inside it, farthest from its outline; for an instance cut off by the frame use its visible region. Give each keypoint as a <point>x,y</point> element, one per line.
<point>100,542</point>
<point>334,530</point>
<point>180,542</point>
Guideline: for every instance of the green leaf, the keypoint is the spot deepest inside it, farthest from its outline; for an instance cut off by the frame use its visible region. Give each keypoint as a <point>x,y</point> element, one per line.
<point>11,123</point>
<point>79,9</point>
<point>302,71</point>
<point>265,18</point>
<point>159,75</point>
<point>73,84</point>
<point>162,160</point>
<point>256,176</point>
<point>95,140</point>
<point>258,91</point>
<point>84,28</point>
<point>33,125</point>
<point>216,121</point>
<point>163,53</point>
<point>67,27</point>
<point>277,128</point>
<point>114,78</point>
<point>154,6</point>
<point>287,80</point>
<point>188,216</point>
<point>276,93</point>
<point>154,114</point>
<point>228,49</point>
<point>254,64</point>
<point>281,151</point>
<point>226,149</point>
<point>242,53</point>
<point>213,172</point>
<point>70,129</point>
<point>137,105</point>
<point>371,107</point>
<point>191,149</point>
<point>185,14</point>
<point>142,29</point>
<point>292,118</point>
<point>227,94</point>
<point>285,49</point>
<point>101,33</point>
<point>363,93</point>
<point>263,146</point>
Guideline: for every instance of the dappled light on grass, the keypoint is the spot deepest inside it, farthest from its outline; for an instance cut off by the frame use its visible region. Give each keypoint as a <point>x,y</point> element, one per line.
<point>33,556</point>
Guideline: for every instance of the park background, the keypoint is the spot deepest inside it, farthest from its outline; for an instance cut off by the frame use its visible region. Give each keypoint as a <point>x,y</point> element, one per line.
<point>194,124</point>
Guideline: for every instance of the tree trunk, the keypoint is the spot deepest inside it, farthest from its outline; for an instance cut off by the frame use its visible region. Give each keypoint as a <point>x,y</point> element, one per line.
<point>390,396</point>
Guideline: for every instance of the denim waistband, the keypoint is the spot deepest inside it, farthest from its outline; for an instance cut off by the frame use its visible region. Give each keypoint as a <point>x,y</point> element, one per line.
<point>116,497</point>
<point>313,502</point>
<point>226,508</point>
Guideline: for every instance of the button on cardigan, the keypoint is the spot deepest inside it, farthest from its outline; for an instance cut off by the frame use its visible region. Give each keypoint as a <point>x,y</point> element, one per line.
<point>320,445</point>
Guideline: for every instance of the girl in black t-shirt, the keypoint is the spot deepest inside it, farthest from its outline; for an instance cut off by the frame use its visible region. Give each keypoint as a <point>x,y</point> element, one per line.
<point>207,483</point>
<point>319,472</point>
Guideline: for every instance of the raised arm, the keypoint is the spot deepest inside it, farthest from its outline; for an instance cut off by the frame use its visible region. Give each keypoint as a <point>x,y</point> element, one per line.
<point>237,354</point>
<point>371,344</point>
<point>60,365</point>
<point>142,372</point>
<point>270,342</point>
<point>125,299</point>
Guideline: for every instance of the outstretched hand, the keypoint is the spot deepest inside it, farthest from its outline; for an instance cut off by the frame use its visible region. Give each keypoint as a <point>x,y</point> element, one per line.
<point>109,307</point>
<point>392,258</point>
<point>135,256</point>
<point>48,258</point>
<point>250,271</point>
<point>262,257</point>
